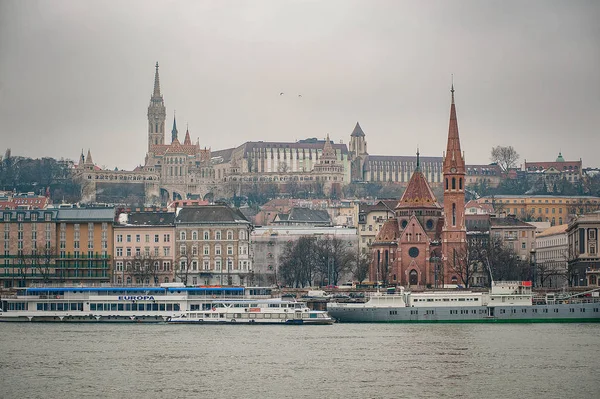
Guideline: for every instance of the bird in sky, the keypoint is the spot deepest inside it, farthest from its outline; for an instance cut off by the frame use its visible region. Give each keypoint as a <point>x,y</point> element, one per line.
<point>299,95</point>
<point>281,94</point>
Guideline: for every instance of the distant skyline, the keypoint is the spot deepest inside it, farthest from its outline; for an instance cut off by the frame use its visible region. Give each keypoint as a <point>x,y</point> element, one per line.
<point>76,75</point>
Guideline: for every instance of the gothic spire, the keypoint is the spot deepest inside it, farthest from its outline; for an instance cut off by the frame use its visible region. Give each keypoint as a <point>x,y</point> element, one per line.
<point>187,140</point>
<point>357,132</point>
<point>454,157</point>
<point>88,159</point>
<point>156,83</point>
<point>174,130</point>
<point>418,161</point>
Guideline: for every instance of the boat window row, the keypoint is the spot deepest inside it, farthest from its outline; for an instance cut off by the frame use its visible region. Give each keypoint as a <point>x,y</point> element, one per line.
<point>16,306</point>
<point>446,300</point>
<point>60,306</point>
<point>151,307</point>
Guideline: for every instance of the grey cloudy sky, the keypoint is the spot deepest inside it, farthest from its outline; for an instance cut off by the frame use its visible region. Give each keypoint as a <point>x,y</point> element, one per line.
<point>79,74</point>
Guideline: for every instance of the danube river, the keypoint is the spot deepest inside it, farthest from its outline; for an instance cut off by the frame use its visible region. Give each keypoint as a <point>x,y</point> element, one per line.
<point>338,361</point>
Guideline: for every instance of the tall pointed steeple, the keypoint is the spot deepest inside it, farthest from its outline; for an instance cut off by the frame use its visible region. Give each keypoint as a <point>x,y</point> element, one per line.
<point>187,140</point>
<point>174,130</point>
<point>156,92</point>
<point>454,232</point>
<point>157,115</point>
<point>418,161</point>
<point>453,159</point>
<point>88,159</point>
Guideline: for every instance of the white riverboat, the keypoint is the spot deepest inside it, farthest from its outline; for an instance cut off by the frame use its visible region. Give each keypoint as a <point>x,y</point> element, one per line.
<point>253,311</point>
<point>507,301</point>
<point>115,304</point>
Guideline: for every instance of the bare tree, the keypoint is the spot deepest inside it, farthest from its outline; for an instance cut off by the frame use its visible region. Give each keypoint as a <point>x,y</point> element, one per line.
<point>461,265</point>
<point>334,259</point>
<point>45,264</point>
<point>505,157</point>
<point>360,270</point>
<point>143,269</point>
<point>182,264</point>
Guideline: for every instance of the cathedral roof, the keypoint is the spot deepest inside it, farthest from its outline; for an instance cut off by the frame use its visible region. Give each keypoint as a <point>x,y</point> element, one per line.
<point>418,193</point>
<point>357,132</point>
<point>389,232</point>
<point>175,148</point>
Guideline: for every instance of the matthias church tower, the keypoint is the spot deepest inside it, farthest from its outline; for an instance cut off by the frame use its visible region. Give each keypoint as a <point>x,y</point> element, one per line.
<point>156,115</point>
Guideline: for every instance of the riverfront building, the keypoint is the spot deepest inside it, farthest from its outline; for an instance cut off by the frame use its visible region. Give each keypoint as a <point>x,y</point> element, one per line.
<point>425,244</point>
<point>144,248</point>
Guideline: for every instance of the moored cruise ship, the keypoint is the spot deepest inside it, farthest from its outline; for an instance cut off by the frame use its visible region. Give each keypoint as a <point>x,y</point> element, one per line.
<point>507,301</point>
<point>116,304</point>
<point>254,311</point>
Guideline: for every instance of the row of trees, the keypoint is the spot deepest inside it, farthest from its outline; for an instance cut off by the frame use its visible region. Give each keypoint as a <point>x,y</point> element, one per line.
<point>313,261</point>
<point>22,174</point>
<point>492,258</point>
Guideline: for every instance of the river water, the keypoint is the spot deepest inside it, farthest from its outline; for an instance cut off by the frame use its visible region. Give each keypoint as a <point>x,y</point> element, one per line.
<point>338,361</point>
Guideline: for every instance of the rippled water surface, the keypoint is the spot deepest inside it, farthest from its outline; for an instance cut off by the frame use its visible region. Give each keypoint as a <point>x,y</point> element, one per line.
<point>338,361</point>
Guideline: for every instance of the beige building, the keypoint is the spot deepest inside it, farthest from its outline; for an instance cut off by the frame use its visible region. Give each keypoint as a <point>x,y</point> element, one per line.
<point>551,255</point>
<point>144,250</point>
<point>85,244</point>
<point>584,260</point>
<point>212,246</point>
<point>515,234</point>
<point>542,208</point>
<point>371,219</point>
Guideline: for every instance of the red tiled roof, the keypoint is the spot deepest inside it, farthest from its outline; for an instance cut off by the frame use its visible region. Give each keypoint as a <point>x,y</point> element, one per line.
<point>389,231</point>
<point>418,194</point>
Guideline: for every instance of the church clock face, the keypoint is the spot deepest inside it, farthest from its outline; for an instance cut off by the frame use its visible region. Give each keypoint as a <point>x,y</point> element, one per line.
<point>453,170</point>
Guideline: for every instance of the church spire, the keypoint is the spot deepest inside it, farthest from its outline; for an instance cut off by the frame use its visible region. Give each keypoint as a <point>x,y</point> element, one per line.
<point>453,160</point>
<point>418,161</point>
<point>88,159</point>
<point>187,140</point>
<point>174,130</point>
<point>156,92</point>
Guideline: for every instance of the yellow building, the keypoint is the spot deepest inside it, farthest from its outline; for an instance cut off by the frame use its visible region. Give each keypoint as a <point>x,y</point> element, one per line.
<point>542,208</point>
<point>85,244</point>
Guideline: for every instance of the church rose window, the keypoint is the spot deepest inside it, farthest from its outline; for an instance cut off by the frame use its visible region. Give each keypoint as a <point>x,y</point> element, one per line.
<point>404,224</point>
<point>413,252</point>
<point>429,224</point>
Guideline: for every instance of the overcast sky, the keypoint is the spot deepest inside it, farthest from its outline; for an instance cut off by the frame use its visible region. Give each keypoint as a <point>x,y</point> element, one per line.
<point>79,74</point>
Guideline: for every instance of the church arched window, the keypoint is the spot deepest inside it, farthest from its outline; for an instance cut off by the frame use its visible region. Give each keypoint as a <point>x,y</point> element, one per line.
<point>446,183</point>
<point>156,128</point>
<point>454,183</point>
<point>460,183</point>
<point>453,214</point>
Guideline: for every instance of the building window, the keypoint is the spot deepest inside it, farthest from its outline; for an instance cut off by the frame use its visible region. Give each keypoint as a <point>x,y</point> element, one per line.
<point>206,235</point>
<point>182,236</point>
<point>156,238</point>
<point>194,235</point>
<point>218,235</point>
<point>230,235</point>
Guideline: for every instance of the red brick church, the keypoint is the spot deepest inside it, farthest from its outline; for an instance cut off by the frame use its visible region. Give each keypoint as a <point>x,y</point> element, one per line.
<point>425,243</point>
